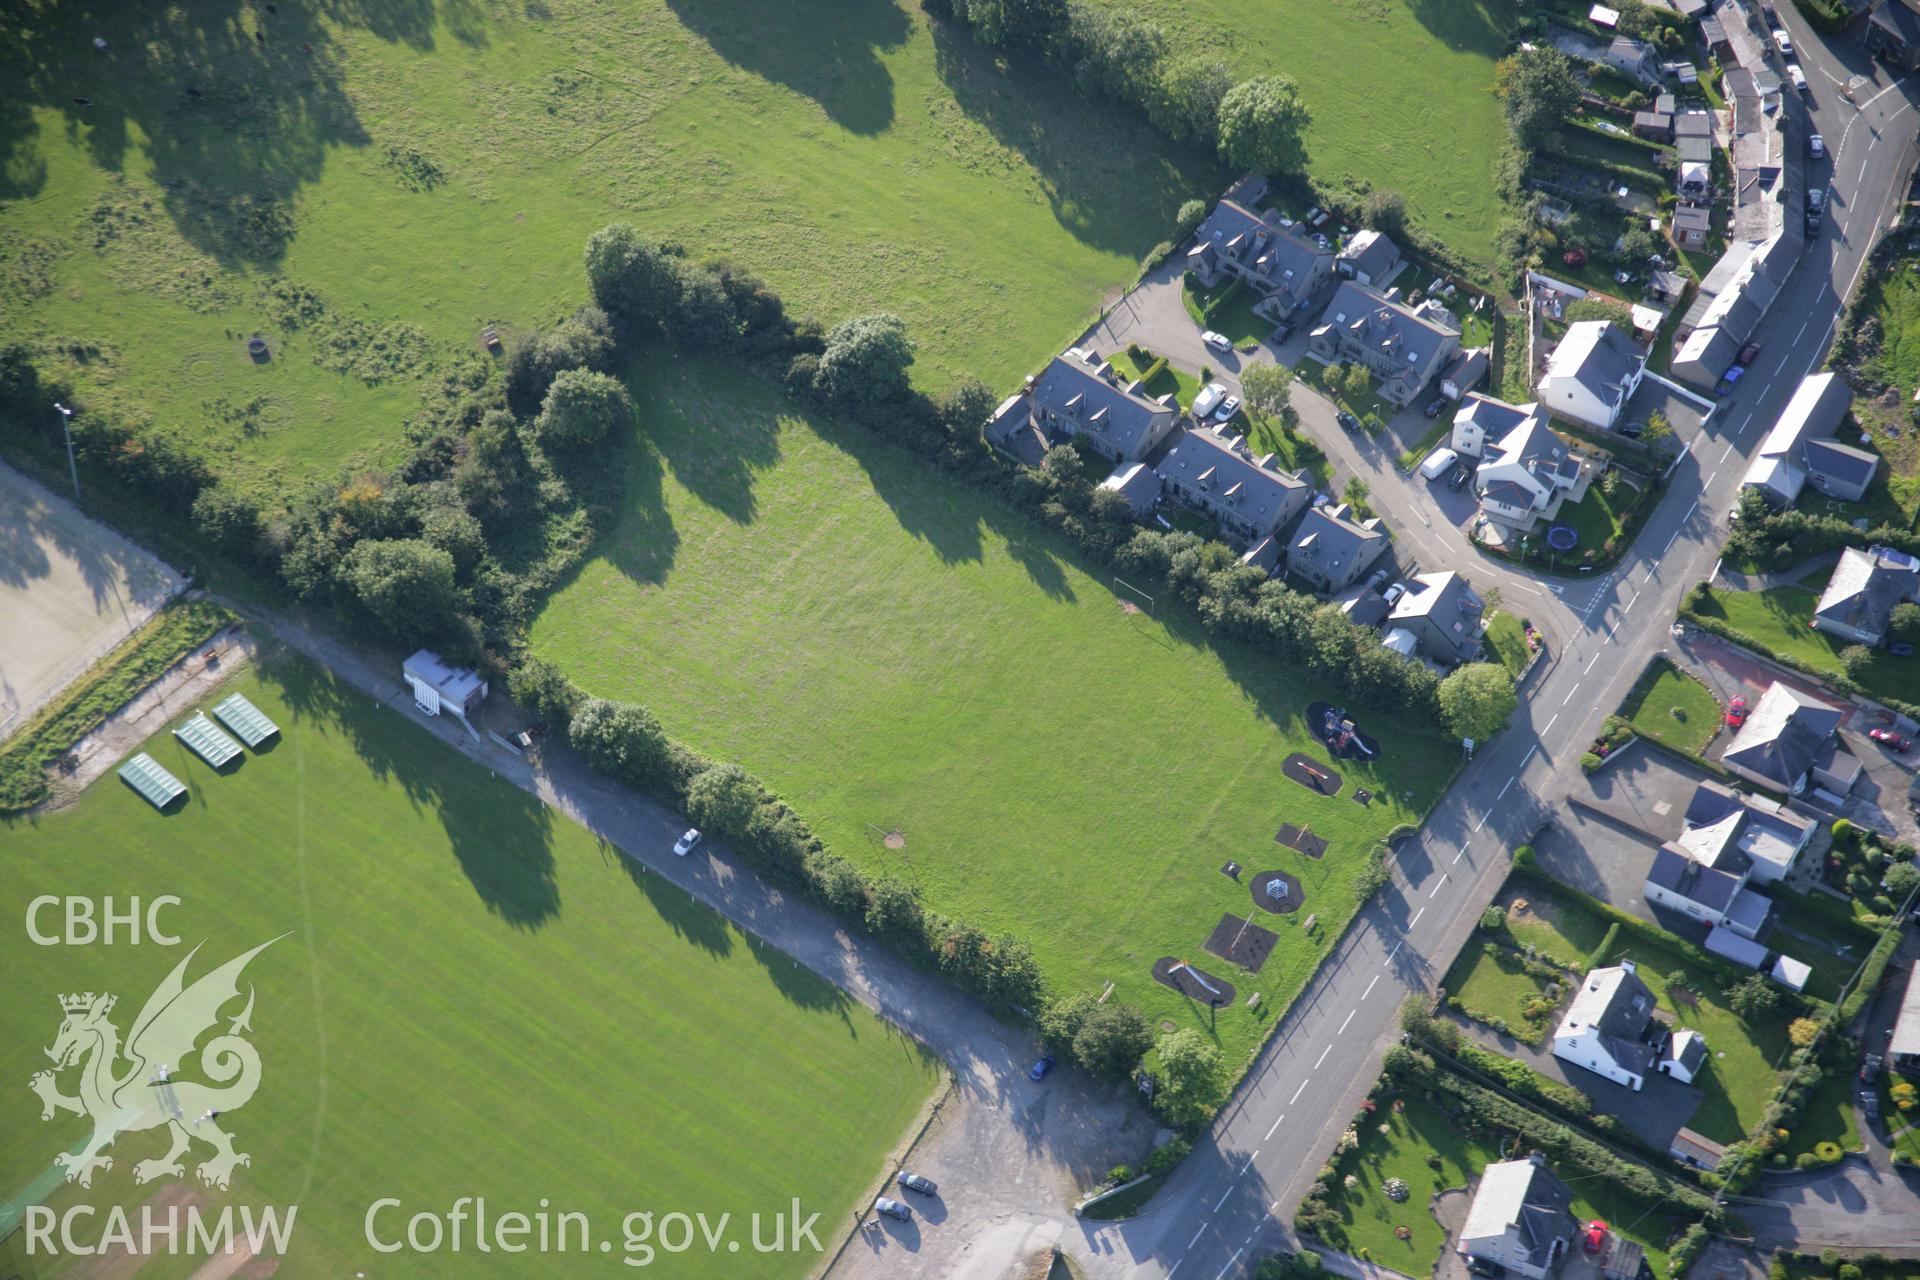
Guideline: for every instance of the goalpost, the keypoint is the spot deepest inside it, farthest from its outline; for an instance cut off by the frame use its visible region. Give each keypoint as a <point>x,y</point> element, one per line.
<point>1129,593</point>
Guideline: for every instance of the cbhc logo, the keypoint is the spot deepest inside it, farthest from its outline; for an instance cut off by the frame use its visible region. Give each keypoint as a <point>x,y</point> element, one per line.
<point>85,926</point>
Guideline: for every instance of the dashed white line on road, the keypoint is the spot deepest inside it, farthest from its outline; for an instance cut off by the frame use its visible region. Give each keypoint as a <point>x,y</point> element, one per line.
<point>1728,453</point>
<point>1481,823</point>
<point>1460,855</point>
<point>1321,1060</point>
<point>1569,698</point>
<point>1526,760</point>
<point>1628,606</point>
<point>1436,887</point>
<point>1667,548</point>
<point>1590,661</point>
<point>1343,1026</point>
<point>1416,917</point>
<point>1223,1199</point>
<point>1396,951</point>
<point>1196,1237</point>
<point>1276,1125</point>
<point>1249,1164</point>
<point>1369,990</point>
<point>1230,1261</point>
<point>1550,720</point>
<point>1503,791</point>
<point>1297,1092</point>
<point>1689,515</point>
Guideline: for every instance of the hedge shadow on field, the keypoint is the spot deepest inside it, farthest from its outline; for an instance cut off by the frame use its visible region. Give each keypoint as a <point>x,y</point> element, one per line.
<point>1477,26</point>
<point>1035,111</point>
<point>826,50</point>
<point>233,106</point>
<point>501,835</point>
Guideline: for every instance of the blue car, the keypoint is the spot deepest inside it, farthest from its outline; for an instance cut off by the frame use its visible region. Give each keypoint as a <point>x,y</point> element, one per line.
<point>1040,1069</point>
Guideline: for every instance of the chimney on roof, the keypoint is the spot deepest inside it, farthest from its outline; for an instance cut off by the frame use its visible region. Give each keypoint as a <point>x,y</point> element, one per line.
<point>1628,965</point>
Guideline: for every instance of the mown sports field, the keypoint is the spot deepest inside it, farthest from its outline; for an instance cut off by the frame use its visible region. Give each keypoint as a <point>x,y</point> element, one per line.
<point>889,649</point>
<point>477,998</point>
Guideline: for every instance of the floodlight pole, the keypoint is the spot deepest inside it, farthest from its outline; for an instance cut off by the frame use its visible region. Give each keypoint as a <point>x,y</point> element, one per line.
<point>66,429</point>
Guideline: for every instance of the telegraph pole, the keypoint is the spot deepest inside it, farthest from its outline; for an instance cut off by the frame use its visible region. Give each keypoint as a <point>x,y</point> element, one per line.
<point>66,429</point>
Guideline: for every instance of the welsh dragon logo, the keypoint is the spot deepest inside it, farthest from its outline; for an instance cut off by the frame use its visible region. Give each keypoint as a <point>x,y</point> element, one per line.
<point>124,1088</point>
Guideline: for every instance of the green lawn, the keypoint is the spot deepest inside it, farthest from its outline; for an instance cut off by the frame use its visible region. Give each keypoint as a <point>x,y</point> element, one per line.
<point>1826,1117</point>
<point>1296,452</point>
<point>1671,706</point>
<point>477,997</point>
<point>1421,1133</point>
<point>1508,642</point>
<point>1423,121</point>
<point>1891,300</point>
<point>1227,309</point>
<point>886,648</point>
<point>1595,518</point>
<point>1778,618</point>
<point>1183,385</point>
<point>1833,922</point>
<point>1495,982</point>
<point>1741,1057</point>
<point>425,169</point>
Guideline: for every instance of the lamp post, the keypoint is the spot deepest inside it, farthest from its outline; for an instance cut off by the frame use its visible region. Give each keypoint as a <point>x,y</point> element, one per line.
<point>66,429</point>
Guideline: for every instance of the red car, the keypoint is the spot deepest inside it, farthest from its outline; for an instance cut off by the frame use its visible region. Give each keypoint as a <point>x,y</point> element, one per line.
<point>1736,713</point>
<point>1595,1236</point>
<point>1889,739</point>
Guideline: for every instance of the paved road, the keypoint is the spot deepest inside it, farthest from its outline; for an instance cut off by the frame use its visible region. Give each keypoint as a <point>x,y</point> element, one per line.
<point>1228,1205</point>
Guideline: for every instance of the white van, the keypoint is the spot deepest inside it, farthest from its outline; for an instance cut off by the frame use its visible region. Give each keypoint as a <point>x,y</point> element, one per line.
<point>1438,463</point>
<point>1208,400</point>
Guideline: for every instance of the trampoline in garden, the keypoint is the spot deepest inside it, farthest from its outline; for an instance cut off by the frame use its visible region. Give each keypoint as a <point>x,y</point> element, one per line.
<point>1561,537</point>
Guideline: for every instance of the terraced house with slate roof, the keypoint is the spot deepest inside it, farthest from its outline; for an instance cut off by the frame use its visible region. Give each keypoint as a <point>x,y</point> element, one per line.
<point>1403,347</point>
<point>1281,267</point>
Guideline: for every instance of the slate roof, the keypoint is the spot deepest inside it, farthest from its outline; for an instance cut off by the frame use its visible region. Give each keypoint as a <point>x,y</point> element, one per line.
<point>1906,1027</point>
<point>1252,488</point>
<point>1898,21</point>
<point>1677,873</point>
<point>1278,257</point>
<point>1767,832</point>
<point>1618,1006</point>
<point>1137,483</point>
<point>1865,587</point>
<point>1098,403</point>
<point>1446,601</point>
<point>1332,541</point>
<point>1496,418</point>
<point>1689,1049</point>
<point>1469,369</point>
<point>1523,1195</point>
<point>1785,734</point>
<point>1841,462</point>
<point>1371,252</point>
<point>1366,316</point>
<point>1596,355</point>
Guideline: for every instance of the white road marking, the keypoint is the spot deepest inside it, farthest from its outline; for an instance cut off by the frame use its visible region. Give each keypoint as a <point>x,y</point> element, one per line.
<point>1569,698</point>
<point>1460,855</point>
<point>1396,951</point>
<point>1196,1237</point>
<point>1689,515</point>
<point>1369,990</point>
<point>1416,917</point>
<point>1481,823</point>
<point>1249,1164</point>
<point>1297,1092</point>
<point>1549,728</point>
<point>1343,1026</point>
<point>1230,1261</point>
<point>1436,887</point>
<point>1223,1199</point>
<point>1667,548</point>
<point>1176,1266</point>
<point>1276,1125</point>
<point>1628,606</point>
<point>1805,323</point>
<point>1321,1061</point>
<point>1529,757</point>
<point>1503,791</point>
<point>1590,661</point>
<point>1728,453</point>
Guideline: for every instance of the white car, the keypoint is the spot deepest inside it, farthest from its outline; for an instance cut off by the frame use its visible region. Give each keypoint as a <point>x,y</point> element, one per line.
<point>1228,407</point>
<point>1816,145</point>
<point>1795,74</point>
<point>1438,463</point>
<point>1217,341</point>
<point>1208,400</point>
<point>685,844</point>
<point>1784,41</point>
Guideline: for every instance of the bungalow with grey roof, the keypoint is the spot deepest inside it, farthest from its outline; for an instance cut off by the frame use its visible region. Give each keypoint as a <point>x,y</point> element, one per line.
<point>1080,398</point>
<point>1592,374</point>
<point>1332,549</point>
<point>1770,834</point>
<point>1903,1047</point>
<point>1704,873</point>
<point>1789,743</point>
<point>1865,589</point>
<point>1521,1218</point>
<point>1404,347</point>
<point>1799,450</point>
<point>1217,475</point>
<point>1282,267</point>
<point>1369,257</point>
<point>1442,614</point>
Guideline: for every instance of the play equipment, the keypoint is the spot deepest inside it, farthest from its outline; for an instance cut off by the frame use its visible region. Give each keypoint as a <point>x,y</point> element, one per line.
<point>1562,538</point>
<point>1340,734</point>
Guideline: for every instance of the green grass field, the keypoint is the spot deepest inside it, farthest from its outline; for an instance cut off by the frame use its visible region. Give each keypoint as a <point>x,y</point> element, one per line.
<point>1662,690</point>
<point>428,168</point>
<point>886,648</point>
<point>1741,1058</point>
<point>1778,618</point>
<point>1508,642</point>
<point>1401,93</point>
<point>1495,982</point>
<point>1827,1117</point>
<point>477,998</point>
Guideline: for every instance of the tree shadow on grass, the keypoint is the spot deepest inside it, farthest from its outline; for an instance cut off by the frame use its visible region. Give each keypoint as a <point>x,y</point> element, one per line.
<point>826,50</point>
<point>1476,26</point>
<point>233,105</point>
<point>501,835</point>
<point>1112,182</point>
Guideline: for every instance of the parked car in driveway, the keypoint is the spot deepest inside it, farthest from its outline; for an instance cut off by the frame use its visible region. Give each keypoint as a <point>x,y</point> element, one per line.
<point>1482,1267</point>
<point>914,1182</point>
<point>1438,462</point>
<point>1870,1105</point>
<point>1736,713</point>
<point>1228,407</point>
<point>1434,406</point>
<point>1208,400</point>
<point>1393,593</point>
<point>893,1209</point>
<point>1281,332</point>
<point>1593,1236</point>
<point>1889,739</point>
<point>1461,474</point>
<point>1217,341</point>
<point>1870,1068</point>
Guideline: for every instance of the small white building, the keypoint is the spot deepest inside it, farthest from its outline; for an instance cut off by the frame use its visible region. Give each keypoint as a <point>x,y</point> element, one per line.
<point>1521,1218</point>
<point>440,686</point>
<point>1592,374</point>
<point>1610,1030</point>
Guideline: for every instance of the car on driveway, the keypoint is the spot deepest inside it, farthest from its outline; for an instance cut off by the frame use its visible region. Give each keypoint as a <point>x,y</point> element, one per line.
<point>1228,407</point>
<point>893,1209</point>
<point>1889,739</point>
<point>1434,406</point>
<point>1281,332</point>
<point>914,1182</point>
<point>1040,1069</point>
<point>1483,1267</point>
<point>1736,713</point>
<point>1438,462</point>
<point>1870,1105</point>
<point>1593,1236</point>
<point>1208,400</point>
<point>1816,146</point>
<point>1393,593</point>
<point>1461,474</point>
<point>685,844</point>
<point>1870,1068</point>
<point>1783,42</point>
<point>1218,341</point>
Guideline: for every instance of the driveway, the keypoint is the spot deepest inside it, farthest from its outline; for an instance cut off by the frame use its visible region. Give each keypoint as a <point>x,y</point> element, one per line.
<point>1597,854</point>
<point>1001,1147</point>
<point>1850,1206</point>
